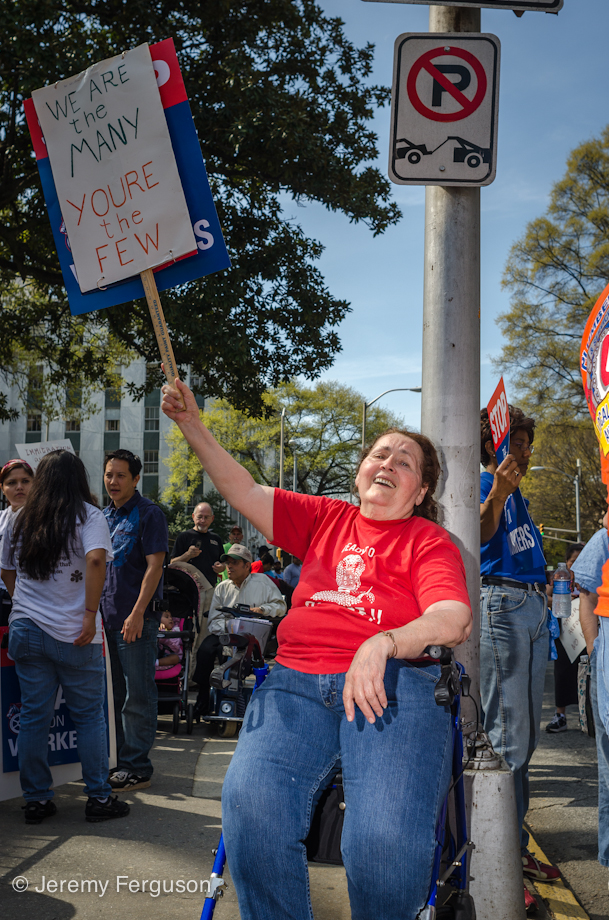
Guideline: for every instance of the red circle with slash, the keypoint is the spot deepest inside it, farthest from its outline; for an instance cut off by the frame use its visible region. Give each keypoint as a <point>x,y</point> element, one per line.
<point>425,62</point>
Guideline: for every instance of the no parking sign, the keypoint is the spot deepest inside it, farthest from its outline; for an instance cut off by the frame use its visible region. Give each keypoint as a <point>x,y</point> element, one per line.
<point>444,109</point>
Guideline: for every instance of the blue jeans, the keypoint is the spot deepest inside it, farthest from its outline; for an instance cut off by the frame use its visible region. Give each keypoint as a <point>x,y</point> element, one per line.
<point>135,696</point>
<point>599,694</point>
<point>514,645</point>
<point>395,772</point>
<point>43,664</point>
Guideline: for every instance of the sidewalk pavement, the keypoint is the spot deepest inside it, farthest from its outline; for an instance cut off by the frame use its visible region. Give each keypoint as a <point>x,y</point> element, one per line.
<point>563,813</point>
<point>167,839</point>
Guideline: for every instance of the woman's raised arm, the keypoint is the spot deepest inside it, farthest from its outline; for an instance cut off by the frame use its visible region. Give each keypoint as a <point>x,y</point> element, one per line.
<point>231,480</point>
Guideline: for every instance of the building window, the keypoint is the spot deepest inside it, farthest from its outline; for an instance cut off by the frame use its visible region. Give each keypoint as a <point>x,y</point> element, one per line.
<point>151,418</point>
<point>34,422</point>
<point>72,424</point>
<point>151,461</point>
<point>113,398</point>
<point>113,424</point>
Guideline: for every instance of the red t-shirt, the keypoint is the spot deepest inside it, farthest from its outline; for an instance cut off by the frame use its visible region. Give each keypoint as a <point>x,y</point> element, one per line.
<point>358,577</point>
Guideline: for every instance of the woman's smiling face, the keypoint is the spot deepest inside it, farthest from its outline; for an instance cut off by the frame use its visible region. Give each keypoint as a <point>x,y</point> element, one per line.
<point>389,479</point>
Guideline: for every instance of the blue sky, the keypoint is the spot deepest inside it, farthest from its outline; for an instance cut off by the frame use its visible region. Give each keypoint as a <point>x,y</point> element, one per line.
<point>553,96</point>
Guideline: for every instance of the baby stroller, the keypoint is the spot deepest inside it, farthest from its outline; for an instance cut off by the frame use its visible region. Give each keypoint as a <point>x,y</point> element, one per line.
<point>181,599</point>
<point>246,638</point>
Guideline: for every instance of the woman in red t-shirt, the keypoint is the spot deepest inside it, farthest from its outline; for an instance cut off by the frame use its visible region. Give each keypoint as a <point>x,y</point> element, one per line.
<point>379,583</point>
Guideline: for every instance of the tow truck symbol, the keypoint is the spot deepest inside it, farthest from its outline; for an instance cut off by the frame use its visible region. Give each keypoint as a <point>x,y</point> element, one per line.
<point>466,152</point>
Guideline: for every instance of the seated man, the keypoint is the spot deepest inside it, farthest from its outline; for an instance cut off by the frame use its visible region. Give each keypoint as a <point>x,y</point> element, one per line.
<point>242,587</point>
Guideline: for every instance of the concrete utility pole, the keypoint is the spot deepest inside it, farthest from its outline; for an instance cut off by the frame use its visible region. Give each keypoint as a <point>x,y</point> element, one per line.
<point>450,417</point>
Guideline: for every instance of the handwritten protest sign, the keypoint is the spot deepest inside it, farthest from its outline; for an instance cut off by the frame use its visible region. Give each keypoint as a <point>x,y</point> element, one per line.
<point>114,169</point>
<point>211,254</point>
<point>190,252</point>
<point>523,540</point>
<point>33,453</point>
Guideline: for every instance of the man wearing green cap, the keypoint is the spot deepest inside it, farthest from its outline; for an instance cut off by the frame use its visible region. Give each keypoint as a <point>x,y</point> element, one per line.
<point>242,586</point>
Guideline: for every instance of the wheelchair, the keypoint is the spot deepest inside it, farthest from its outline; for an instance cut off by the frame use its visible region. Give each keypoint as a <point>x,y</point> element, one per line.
<point>448,897</point>
<point>230,691</point>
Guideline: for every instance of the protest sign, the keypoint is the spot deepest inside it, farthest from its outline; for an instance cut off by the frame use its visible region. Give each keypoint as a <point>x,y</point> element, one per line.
<point>594,366</point>
<point>523,539</point>
<point>114,169</point>
<point>33,453</point>
<point>499,417</point>
<point>210,252</point>
<point>571,634</point>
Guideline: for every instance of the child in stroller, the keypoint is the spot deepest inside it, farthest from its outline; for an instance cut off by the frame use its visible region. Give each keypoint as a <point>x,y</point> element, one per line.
<point>171,650</point>
<point>176,638</point>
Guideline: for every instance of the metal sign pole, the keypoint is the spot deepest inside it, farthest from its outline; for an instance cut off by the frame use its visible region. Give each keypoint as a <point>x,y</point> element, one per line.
<point>450,409</point>
<point>450,416</point>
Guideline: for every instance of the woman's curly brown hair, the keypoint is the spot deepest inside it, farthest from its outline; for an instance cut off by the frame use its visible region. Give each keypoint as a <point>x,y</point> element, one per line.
<point>518,421</point>
<point>430,470</point>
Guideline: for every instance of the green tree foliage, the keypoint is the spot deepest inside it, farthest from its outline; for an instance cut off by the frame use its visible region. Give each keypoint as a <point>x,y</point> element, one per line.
<point>552,495</point>
<point>555,272</point>
<point>322,425</point>
<point>281,101</point>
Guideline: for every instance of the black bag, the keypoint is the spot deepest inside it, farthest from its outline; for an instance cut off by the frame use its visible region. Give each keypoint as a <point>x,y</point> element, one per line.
<point>323,840</point>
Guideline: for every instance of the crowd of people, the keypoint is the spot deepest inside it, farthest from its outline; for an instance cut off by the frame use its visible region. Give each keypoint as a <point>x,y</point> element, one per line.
<point>368,587</point>
<point>69,567</point>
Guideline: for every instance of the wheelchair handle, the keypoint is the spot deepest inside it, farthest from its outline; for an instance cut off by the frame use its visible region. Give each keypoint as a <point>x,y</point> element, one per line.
<point>440,653</point>
<point>238,612</point>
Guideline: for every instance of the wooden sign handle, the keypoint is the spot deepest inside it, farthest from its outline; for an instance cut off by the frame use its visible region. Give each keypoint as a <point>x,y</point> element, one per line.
<point>160,327</point>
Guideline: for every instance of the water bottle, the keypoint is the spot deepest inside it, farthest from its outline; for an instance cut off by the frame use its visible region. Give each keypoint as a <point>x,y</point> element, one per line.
<point>561,592</point>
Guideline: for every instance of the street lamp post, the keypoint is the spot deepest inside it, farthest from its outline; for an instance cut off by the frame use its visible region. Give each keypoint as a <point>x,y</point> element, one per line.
<point>366,405</point>
<point>576,480</point>
<point>281,448</point>
<point>293,444</point>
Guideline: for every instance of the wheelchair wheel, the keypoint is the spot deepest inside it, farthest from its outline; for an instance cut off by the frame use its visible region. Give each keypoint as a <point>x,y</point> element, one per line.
<point>190,710</point>
<point>227,729</point>
<point>175,725</point>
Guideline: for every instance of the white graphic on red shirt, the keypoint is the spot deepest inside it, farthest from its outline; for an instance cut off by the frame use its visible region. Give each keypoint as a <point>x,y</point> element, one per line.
<point>348,581</point>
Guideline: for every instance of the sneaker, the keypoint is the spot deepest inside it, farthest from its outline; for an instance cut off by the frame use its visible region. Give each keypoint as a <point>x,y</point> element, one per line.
<point>530,904</point>
<point>540,872</point>
<point>35,812</point>
<point>558,724</point>
<point>124,781</point>
<point>96,810</point>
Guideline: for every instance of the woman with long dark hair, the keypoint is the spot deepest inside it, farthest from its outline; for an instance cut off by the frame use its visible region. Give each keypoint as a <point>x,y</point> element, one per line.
<point>54,564</point>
